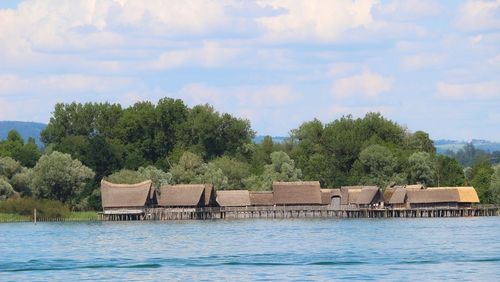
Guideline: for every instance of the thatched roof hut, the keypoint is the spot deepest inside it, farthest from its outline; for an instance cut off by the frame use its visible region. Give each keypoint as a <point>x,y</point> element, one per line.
<point>261,198</point>
<point>297,193</point>
<point>433,195</point>
<point>125,195</point>
<point>233,198</point>
<point>328,194</point>
<point>360,195</point>
<point>443,195</point>
<point>183,195</point>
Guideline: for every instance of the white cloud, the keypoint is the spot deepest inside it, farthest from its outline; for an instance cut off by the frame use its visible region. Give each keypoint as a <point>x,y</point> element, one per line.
<point>366,84</point>
<point>405,10</point>
<point>267,96</point>
<point>210,54</point>
<point>479,15</point>
<point>316,19</point>
<point>461,91</point>
<point>68,84</point>
<point>422,61</point>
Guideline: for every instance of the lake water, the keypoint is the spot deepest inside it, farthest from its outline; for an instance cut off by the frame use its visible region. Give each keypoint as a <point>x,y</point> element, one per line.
<point>287,249</point>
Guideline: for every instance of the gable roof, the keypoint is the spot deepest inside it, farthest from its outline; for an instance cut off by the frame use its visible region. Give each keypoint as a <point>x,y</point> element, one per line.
<point>467,195</point>
<point>328,194</point>
<point>183,195</point>
<point>433,195</point>
<point>398,196</point>
<point>367,195</point>
<point>125,195</point>
<point>261,198</point>
<point>209,195</point>
<point>233,198</point>
<point>297,193</point>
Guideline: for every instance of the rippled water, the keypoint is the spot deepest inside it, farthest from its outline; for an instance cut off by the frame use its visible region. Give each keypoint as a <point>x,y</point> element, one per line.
<point>309,249</point>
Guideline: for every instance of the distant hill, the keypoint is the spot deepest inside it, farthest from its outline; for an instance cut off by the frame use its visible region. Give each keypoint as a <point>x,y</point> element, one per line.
<point>443,145</point>
<point>26,129</point>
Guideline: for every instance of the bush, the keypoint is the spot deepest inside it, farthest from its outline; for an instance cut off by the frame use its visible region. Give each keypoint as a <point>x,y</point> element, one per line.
<point>44,208</point>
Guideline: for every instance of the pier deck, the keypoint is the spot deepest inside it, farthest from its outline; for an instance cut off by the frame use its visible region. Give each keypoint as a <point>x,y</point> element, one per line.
<point>300,212</point>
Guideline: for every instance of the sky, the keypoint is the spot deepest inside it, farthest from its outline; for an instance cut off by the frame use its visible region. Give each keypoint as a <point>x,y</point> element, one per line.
<point>428,65</point>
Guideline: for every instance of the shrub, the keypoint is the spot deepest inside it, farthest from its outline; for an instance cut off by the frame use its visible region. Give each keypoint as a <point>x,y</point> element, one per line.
<point>44,208</point>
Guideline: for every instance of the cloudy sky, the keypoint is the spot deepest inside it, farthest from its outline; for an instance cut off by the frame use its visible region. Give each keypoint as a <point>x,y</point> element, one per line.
<point>429,65</point>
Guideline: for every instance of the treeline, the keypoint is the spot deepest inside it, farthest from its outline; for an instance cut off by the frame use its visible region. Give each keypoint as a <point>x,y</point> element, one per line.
<point>169,142</point>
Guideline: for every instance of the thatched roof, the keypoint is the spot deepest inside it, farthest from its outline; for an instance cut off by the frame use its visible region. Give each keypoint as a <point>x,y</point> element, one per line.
<point>367,195</point>
<point>388,193</point>
<point>415,186</point>
<point>360,195</point>
<point>349,194</point>
<point>209,195</point>
<point>433,195</point>
<point>398,196</point>
<point>184,195</point>
<point>233,198</point>
<point>328,194</point>
<point>125,195</point>
<point>261,198</point>
<point>297,193</point>
<point>468,195</point>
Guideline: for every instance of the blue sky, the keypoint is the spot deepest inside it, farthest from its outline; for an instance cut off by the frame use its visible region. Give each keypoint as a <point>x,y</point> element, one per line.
<point>429,65</point>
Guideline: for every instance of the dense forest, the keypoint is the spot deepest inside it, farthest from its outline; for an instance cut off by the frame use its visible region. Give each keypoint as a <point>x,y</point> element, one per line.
<point>169,142</point>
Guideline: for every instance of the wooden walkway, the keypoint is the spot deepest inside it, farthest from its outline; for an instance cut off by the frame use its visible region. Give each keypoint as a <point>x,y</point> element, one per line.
<point>301,212</point>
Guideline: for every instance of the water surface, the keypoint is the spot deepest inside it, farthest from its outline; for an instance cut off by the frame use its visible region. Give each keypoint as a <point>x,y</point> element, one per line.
<point>257,250</point>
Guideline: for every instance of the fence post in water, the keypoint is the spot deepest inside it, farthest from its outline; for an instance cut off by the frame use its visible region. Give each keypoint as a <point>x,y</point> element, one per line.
<point>34,216</point>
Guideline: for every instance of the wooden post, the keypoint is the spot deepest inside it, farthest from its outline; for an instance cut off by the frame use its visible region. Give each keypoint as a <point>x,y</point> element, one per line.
<point>34,216</point>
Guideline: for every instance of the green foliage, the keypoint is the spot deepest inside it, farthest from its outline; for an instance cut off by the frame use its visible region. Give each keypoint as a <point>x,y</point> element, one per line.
<point>468,155</point>
<point>6,190</point>
<point>420,141</point>
<point>421,168</point>
<point>126,176</point>
<point>192,169</point>
<point>14,147</point>
<point>448,172</point>
<point>21,182</point>
<point>282,168</point>
<point>44,208</point>
<point>329,152</point>
<point>376,166</point>
<point>58,176</point>
<point>158,176</point>
<point>107,138</point>
<point>481,175</point>
<point>9,167</point>
<point>235,171</point>
<point>495,186</point>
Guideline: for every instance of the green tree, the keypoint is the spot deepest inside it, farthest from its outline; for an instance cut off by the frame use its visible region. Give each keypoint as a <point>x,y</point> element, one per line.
<point>495,186</point>
<point>126,176</point>
<point>158,176</point>
<point>59,177</point>
<point>9,167</point>
<point>14,147</point>
<point>6,190</point>
<point>376,166</point>
<point>188,170</point>
<point>235,171</point>
<point>21,182</point>
<point>282,168</point>
<point>481,179</point>
<point>448,172</point>
<point>421,168</point>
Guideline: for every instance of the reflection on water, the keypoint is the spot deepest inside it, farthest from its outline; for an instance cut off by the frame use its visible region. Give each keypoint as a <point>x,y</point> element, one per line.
<point>293,249</point>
